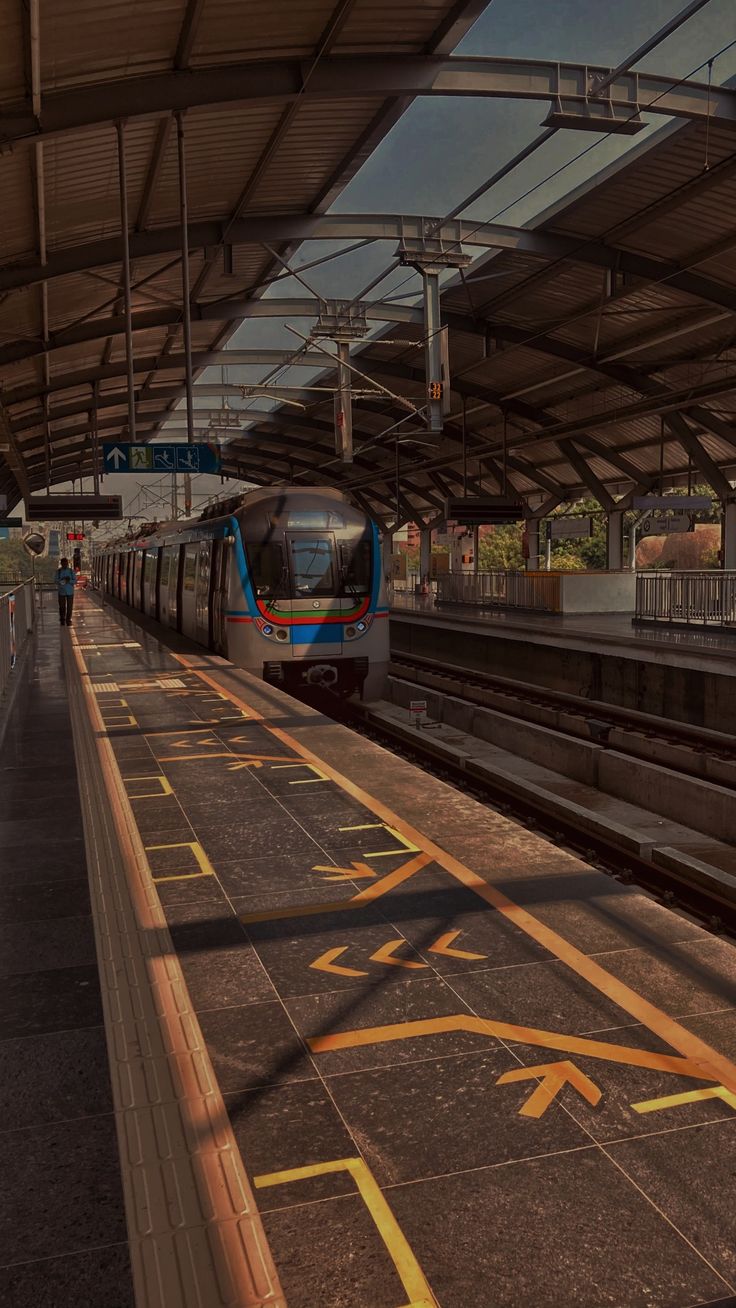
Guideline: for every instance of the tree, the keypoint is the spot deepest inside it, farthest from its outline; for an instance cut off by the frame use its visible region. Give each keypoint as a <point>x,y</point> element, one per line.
<point>501,549</point>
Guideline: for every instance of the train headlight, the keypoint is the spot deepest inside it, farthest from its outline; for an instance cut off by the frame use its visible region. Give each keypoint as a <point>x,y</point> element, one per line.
<point>267,631</point>
<point>357,629</point>
<point>281,634</point>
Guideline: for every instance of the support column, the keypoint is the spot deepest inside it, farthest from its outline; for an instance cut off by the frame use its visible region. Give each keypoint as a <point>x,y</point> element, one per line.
<point>728,535</point>
<point>185,291</point>
<point>615,542</point>
<point>431,256</point>
<point>129,358</point>
<point>343,322</point>
<point>387,548</point>
<point>425,553</point>
<point>532,536</point>
<point>476,543</point>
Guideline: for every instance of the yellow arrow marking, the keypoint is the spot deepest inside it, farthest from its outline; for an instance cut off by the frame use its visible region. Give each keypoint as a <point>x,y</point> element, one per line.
<point>249,763</point>
<point>442,946</point>
<point>358,872</point>
<point>325,963</point>
<point>372,1035</point>
<point>554,1076</point>
<point>386,955</point>
<point>689,1097</point>
<point>363,897</point>
<point>193,744</point>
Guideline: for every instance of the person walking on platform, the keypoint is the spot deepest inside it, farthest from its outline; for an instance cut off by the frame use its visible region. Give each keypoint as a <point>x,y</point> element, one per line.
<point>65,582</point>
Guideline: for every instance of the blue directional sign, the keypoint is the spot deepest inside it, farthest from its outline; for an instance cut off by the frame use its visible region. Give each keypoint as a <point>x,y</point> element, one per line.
<point>120,457</point>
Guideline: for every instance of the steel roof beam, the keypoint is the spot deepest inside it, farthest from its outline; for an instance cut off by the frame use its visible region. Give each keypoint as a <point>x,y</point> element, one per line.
<point>149,319</point>
<point>169,363</point>
<point>587,476</point>
<point>686,437</point>
<point>280,228</point>
<point>379,76</point>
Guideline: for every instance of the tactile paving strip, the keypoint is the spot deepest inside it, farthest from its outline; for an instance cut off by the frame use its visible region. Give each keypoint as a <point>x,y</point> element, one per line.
<point>196,1238</point>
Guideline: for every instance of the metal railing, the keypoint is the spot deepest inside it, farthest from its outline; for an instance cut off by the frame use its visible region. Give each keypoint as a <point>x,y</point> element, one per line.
<point>706,599</point>
<point>17,614</point>
<point>538,591</point>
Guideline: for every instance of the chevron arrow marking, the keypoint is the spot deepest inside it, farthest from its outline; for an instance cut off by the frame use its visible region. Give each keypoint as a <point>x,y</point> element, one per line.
<point>442,946</point>
<point>358,872</point>
<point>386,955</point>
<point>553,1077</point>
<point>326,963</point>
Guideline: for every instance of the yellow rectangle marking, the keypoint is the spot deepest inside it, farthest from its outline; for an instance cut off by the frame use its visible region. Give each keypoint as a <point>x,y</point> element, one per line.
<point>405,846</point>
<point>205,867</point>
<point>120,720</point>
<point>165,784</point>
<point>308,781</point>
<point>410,1273</point>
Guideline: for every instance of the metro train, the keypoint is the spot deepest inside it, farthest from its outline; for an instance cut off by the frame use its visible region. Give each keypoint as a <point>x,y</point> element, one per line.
<point>286,583</point>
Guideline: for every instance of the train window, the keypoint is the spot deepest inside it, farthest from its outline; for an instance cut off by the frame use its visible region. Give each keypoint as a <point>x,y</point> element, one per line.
<point>190,567</point>
<point>312,565</point>
<point>267,569</point>
<point>355,566</point>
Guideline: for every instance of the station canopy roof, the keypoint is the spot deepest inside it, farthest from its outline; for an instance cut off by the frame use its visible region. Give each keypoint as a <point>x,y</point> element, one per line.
<point>595,345</point>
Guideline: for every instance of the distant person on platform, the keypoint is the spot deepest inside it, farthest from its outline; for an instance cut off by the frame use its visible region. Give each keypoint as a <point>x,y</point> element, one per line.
<point>66,580</point>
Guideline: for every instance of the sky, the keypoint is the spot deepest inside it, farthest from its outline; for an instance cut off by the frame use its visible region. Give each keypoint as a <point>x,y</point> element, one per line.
<point>443,148</point>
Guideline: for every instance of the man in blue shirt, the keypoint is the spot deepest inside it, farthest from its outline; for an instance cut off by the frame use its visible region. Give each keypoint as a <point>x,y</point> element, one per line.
<point>65,582</point>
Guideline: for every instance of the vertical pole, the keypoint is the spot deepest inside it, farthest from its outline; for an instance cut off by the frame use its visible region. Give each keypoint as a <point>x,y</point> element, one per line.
<point>425,553</point>
<point>632,545</point>
<point>95,442</point>
<point>186,296</point>
<point>548,551</point>
<point>728,535</point>
<point>476,543</point>
<point>398,483</point>
<point>465,447</point>
<point>432,345</point>
<point>505,451</point>
<point>185,289</point>
<point>343,405</point>
<point>126,281</point>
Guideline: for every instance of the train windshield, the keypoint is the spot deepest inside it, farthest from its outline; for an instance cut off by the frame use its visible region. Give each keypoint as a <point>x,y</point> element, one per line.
<point>313,565</point>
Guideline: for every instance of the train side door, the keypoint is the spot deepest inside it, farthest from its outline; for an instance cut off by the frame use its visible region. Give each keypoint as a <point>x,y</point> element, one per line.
<point>219,581</point>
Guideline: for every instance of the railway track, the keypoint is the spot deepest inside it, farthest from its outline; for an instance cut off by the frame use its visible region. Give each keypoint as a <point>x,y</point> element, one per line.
<point>696,886</point>
<point>694,751</point>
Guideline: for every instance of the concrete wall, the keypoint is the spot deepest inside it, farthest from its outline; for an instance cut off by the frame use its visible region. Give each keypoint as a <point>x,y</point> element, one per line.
<point>598,592</point>
<point>705,700</point>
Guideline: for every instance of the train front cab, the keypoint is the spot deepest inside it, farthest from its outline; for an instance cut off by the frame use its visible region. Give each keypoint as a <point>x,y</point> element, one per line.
<point>312,583</point>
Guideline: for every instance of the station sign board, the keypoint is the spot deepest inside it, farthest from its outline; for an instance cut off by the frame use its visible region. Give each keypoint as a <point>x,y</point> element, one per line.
<point>469,511</point>
<point>672,503</point>
<point>60,508</point>
<point>157,459</point>
<point>667,525</point>
<point>569,528</point>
